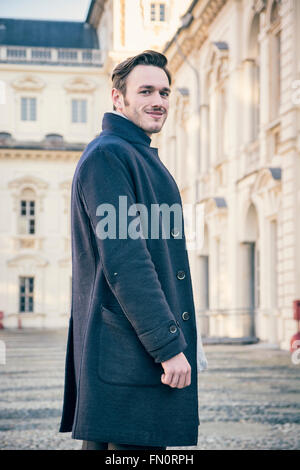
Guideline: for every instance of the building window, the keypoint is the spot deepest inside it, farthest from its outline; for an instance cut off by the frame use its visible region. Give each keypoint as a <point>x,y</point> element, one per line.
<point>205,281</point>
<point>274,264</point>
<point>27,217</point>
<point>223,131</point>
<point>275,75</point>
<point>79,111</point>
<point>28,109</point>
<point>275,60</point>
<point>26,292</point>
<point>162,12</point>
<point>157,11</point>
<point>217,274</point>
<point>253,79</point>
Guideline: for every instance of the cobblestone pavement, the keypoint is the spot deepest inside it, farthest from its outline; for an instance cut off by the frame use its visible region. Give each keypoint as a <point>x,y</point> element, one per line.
<point>249,396</point>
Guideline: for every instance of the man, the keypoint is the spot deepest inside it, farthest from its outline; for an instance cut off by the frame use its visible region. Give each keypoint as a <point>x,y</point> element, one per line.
<point>131,365</point>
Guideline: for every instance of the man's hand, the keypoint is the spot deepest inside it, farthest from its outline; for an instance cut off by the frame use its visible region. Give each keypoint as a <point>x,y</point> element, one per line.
<point>177,372</point>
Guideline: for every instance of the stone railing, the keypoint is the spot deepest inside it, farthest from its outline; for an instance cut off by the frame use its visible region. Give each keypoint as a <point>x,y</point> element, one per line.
<point>51,56</point>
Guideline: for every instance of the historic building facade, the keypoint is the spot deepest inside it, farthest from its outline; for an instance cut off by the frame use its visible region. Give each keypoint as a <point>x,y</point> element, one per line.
<point>232,143</point>
<point>51,104</point>
<point>54,89</point>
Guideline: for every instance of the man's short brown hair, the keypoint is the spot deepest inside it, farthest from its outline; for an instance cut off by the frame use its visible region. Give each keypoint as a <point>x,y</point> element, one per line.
<point>122,70</point>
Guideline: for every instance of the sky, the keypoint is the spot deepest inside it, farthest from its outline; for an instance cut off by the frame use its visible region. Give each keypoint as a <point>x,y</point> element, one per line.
<point>68,10</point>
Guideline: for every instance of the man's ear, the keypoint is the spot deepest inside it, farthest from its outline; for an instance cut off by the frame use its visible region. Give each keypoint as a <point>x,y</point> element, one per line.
<point>117,98</point>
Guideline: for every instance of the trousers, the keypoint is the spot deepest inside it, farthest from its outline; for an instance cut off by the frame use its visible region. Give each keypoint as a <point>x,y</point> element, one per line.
<point>92,445</point>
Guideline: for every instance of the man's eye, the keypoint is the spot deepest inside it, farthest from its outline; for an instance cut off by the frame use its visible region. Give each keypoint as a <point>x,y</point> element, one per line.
<point>164,93</point>
<point>145,91</point>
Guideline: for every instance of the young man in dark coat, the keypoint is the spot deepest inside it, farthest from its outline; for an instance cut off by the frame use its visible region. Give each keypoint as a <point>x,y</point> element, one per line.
<point>131,365</point>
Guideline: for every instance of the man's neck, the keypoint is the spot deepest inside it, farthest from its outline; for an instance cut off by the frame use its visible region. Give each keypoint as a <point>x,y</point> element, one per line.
<point>119,114</point>
<point>123,115</point>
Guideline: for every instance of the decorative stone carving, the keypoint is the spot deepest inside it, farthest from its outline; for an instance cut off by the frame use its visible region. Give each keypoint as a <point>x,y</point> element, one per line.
<point>38,185</point>
<point>28,180</point>
<point>28,261</point>
<point>200,26</point>
<point>65,187</point>
<point>80,85</point>
<point>216,203</point>
<point>259,5</point>
<point>267,186</point>
<point>27,243</point>
<point>32,154</point>
<point>28,83</point>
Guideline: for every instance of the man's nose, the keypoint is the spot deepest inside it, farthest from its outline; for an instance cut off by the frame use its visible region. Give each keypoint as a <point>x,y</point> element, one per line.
<point>157,100</point>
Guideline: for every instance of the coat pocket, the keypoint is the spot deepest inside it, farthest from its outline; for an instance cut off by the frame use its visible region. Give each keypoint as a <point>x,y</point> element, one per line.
<point>123,359</point>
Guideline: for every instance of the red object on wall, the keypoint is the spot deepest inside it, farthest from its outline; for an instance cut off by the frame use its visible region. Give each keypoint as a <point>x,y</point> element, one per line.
<point>1,320</point>
<point>296,310</point>
<point>295,339</point>
<point>295,345</point>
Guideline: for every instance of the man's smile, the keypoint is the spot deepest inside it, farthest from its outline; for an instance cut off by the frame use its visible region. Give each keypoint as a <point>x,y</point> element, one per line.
<point>155,114</point>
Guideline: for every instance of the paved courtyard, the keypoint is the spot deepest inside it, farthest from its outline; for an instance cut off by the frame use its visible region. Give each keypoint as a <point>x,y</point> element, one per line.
<point>249,396</point>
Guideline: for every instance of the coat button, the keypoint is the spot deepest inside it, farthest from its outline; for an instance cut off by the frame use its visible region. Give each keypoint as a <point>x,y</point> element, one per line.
<point>173,328</point>
<point>180,275</point>
<point>185,315</point>
<point>174,232</point>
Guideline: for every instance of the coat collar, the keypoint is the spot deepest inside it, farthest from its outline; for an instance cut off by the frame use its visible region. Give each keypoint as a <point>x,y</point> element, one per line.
<point>118,125</point>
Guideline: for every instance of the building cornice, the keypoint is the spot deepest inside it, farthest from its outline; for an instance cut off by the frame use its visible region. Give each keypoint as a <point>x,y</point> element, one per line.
<point>51,144</point>
<point>192,34</point>
<point>95,12</point>
<point>31,154</point>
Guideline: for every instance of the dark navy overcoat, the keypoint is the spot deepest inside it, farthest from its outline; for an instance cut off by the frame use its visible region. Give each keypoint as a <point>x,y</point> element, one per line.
<point>132,299</point>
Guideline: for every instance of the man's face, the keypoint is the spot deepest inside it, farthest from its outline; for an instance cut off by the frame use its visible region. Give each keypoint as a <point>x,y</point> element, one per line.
<point>147,98</point>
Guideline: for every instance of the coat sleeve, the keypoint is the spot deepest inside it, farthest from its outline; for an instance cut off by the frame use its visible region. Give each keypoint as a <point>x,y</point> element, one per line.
<point>127,263</point>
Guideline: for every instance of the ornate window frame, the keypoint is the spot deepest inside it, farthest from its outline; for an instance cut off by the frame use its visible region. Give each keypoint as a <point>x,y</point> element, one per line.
<point>39,188</point>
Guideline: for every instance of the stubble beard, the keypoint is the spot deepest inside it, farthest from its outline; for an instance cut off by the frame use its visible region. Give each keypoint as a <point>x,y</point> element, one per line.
<point>137,118</point>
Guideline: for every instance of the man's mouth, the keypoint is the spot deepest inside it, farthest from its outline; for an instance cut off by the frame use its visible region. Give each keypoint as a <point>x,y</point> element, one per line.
<point>155,114</point>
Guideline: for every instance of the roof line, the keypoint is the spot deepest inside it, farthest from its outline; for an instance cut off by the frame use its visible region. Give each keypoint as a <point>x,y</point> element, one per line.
<point>39,20</point>
<point>183,26</point>
<point>90,11</point>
